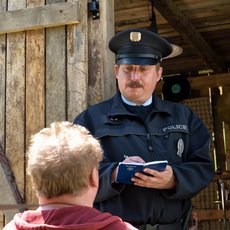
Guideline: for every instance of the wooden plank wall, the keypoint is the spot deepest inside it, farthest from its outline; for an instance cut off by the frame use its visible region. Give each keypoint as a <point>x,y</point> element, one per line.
<point>2,76</point>
<point>44,78</point>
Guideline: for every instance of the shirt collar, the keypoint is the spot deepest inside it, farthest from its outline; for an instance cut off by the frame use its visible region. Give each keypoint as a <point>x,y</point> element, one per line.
<point>126,101</point>
<point>118,108</point>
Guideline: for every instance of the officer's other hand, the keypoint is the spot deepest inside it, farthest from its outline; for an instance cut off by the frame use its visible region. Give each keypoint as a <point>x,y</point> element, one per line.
<point>156,179</point>
<point>133,159</point>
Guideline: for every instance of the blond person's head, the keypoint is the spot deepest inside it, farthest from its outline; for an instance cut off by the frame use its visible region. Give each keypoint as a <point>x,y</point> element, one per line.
<point>61,159</point>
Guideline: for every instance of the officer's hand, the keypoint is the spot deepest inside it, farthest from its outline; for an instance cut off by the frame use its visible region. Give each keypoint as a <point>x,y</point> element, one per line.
<point>130,159</point>
<point>156,179</point>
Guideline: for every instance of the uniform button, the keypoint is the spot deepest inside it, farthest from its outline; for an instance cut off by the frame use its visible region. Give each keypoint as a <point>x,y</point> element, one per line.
<point>113,119</point>
<point>148,137</point>
<point>150,148</point>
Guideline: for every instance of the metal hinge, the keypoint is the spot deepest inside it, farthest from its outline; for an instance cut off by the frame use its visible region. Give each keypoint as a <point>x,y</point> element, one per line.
<point>93,7</point>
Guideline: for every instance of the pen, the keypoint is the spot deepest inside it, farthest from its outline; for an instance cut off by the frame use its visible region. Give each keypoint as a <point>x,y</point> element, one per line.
<point>125,156</point>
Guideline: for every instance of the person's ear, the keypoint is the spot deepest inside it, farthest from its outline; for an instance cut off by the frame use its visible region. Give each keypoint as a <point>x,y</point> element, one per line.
<point>160,71</point>
<point>94,178</point>
<point>116,69</point>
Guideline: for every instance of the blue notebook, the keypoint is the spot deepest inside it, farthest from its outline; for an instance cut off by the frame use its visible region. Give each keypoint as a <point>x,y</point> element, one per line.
<point>126,171</point>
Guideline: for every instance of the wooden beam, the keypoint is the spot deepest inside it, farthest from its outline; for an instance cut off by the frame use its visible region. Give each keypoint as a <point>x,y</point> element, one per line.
<point>202,82</point>
<point>39,17</point>
<point>18,206</point>
<point>212,214</point>
<point>184,27</point>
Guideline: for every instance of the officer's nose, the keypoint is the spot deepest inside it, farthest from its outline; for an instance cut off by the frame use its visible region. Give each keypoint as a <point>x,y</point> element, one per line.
<point>135,75</point>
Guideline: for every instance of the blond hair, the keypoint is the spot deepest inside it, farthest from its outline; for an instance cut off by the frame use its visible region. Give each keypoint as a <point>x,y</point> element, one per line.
<point>61,159</point>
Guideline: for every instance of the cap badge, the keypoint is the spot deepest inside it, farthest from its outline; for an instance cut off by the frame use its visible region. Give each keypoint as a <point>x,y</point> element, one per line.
<point>135,36</point>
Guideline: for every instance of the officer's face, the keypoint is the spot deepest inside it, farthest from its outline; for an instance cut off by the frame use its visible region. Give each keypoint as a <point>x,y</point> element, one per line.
<point>137,83</point>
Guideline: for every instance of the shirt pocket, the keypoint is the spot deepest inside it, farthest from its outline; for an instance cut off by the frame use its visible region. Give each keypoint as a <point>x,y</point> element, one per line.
<point>171,144</point>
<point>119,127</point>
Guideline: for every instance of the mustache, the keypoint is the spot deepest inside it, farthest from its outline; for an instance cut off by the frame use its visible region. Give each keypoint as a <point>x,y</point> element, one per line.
<point>134,84</point>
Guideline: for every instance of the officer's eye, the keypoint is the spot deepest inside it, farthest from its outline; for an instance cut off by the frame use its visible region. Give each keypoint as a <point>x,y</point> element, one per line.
<point>127,69</point>
<point>144,69</point>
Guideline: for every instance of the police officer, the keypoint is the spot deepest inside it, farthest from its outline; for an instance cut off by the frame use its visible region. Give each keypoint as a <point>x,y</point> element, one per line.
<point>138,124</point>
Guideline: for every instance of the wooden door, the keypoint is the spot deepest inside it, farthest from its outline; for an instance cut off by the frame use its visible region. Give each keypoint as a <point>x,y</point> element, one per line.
<point>51,59</point>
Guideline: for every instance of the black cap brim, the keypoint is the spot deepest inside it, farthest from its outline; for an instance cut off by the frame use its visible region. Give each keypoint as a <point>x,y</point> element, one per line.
<point>137,61</point>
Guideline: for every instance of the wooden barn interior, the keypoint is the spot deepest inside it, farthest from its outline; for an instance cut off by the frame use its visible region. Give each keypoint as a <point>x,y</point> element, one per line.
<point>55,62</point>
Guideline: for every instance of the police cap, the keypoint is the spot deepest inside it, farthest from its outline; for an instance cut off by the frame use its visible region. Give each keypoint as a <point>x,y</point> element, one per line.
<point>139,47</point>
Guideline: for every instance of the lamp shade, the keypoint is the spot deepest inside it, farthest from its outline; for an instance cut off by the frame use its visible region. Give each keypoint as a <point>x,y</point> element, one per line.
<point>176,88</point>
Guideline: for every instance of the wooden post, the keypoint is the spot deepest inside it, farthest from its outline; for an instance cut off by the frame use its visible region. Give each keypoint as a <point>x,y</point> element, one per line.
<point>35,99</point>
<point>102,81</point>
<point>107,24</point>
<point>55,72</point>
<point>226,91</point>
<point>3,180</point>
<point>218,131</point>
<point>2,79</point>
<point>77,64</point>
<point>15,103</point>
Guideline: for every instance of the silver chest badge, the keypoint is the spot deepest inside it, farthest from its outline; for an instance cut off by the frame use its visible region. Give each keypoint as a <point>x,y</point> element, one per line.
<point>180,147</point>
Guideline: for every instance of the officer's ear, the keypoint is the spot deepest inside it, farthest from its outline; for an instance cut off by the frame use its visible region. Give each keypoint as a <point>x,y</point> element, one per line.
<point>116,69</point>
<point>159,71</point>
